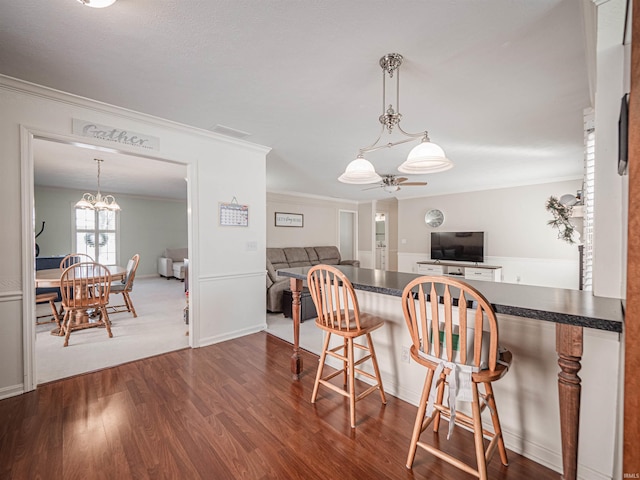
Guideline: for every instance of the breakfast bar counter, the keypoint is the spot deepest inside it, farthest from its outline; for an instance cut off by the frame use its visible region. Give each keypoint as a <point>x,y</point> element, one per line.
<point>570,310</point>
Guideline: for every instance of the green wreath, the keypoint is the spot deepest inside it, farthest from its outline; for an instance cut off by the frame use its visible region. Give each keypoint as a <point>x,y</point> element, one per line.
<point>90,239</point>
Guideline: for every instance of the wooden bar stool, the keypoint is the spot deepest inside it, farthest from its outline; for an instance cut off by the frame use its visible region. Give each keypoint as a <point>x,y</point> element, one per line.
<point>453,351</point>
<point>338,314</point>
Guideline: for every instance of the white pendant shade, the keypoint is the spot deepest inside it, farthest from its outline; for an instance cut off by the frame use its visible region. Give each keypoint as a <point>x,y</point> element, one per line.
<point>360,171</point>
<point>391,188</point>
<point>97,3</point>
<point>84,204</point>
<point>426,157</point>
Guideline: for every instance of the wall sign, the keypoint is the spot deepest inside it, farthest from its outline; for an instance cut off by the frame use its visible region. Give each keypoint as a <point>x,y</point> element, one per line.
<point>289,219</point>
<point>116,135</point>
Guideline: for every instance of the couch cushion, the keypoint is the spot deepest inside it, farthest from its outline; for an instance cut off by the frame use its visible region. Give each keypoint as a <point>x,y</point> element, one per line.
<point>271,271</point>
<point>313,256</point>
<point>297,256</point>
<point>328,255</point>
<point>277,258</point>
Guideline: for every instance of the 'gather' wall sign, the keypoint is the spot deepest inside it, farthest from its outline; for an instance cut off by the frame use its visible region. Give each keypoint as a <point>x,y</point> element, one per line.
<point>112,134</point>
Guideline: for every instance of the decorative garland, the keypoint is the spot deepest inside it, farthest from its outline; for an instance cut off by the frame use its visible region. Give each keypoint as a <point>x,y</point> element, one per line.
<point>561,214</point>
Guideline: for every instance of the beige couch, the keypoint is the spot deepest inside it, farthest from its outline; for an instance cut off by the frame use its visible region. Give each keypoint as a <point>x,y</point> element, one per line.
<point>278,258</point>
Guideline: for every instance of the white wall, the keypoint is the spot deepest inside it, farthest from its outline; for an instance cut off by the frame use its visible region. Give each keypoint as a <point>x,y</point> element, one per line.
<point>517,236</point>
<point>227,262</point>
<point>610,208</point>
<point>321,220</point>
<point>147,226</point>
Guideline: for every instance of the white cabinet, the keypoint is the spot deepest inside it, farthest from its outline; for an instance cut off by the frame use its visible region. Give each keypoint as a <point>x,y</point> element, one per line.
<point>381,258</point>
<point>430,269</point>
<point>487,273</point>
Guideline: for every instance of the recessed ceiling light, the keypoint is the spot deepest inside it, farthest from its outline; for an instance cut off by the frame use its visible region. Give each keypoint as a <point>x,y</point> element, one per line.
<point>97,3</point>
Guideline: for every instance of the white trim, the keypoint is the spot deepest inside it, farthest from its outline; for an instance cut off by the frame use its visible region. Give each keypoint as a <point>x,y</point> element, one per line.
<point>223,276</point>
<point>312,196</point>
<point>231,335</point>
<point>28,260</point>
<point>27,136</point>
<point>10,296</point>
<point>28,88</point>
<point>11,391</point>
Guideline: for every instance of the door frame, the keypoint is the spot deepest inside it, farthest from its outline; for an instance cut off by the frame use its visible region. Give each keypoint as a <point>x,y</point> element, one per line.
<point>27,137</point>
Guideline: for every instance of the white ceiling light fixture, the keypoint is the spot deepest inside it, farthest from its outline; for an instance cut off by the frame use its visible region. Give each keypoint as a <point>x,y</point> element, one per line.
<point>97,3</point>
<point>97,201</point>
<point>424,158</point>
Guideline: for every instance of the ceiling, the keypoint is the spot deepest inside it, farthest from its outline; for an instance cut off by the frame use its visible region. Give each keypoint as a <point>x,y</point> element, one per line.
<point>499,84</point>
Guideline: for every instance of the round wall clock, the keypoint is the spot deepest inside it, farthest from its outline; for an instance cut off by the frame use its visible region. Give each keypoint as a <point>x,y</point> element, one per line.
<point>434,218</point>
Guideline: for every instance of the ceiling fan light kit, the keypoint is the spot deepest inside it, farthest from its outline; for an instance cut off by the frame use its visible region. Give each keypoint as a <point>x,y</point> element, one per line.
<point>425,158</point>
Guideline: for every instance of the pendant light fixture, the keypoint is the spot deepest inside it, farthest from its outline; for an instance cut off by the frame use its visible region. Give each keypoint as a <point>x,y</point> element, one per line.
<point>97,201</point>
<point>424,158</point>
<point>97,3</point>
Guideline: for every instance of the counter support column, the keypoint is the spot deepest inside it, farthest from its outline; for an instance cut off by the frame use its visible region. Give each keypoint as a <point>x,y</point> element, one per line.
<point>296,360</point>
<point>569,349</point>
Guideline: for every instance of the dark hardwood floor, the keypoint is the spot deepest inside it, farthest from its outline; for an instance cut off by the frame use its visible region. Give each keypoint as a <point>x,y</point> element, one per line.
<point>226,411</point>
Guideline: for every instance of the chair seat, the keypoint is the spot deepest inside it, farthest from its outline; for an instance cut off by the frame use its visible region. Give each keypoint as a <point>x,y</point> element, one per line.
<point>117,287</point>
<point>46,297</point>
<point>368,323</point>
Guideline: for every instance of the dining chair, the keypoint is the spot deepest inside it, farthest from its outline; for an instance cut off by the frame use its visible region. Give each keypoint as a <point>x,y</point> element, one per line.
<point>51,299</point>
<point>74,258</point>
<point>454,334</point>
<point>84,286</point>
<point>339,314</point>
<point>125,287</point>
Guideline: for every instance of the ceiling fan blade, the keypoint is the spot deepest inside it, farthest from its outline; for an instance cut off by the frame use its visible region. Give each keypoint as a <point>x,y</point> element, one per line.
<point>414,184</point>
<point>371,188</point>
<point>401,179</point>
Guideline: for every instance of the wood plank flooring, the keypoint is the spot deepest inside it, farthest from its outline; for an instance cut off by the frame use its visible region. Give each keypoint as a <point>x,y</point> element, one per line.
<point>227,411</point>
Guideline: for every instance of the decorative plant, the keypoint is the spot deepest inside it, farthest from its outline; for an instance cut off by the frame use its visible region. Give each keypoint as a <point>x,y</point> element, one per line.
<point>561,214</point>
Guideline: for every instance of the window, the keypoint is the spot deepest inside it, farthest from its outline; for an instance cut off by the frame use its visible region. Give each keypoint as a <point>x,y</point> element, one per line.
<point>96,234</point>
<point>588,196</point>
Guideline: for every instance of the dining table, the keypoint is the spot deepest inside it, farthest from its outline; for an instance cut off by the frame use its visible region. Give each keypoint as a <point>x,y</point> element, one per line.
<point>50,278</point>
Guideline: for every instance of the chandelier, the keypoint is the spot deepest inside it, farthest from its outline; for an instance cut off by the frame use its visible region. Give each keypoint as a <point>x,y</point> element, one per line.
<point>97,3</point>
<point>97,201</point>
<point>426,157</point>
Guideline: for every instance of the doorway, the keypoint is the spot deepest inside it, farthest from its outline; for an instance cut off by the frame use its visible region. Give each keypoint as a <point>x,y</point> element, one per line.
<point>59,180</point>
<point>348,234</point>
<point>382,240</point>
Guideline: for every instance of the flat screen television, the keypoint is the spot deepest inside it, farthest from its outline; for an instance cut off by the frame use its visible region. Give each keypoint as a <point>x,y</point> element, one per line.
<point>457,246</point>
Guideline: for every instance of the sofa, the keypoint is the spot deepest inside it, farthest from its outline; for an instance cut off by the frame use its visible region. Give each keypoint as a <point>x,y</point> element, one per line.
<point>289,257</point>
<point>172,263</point>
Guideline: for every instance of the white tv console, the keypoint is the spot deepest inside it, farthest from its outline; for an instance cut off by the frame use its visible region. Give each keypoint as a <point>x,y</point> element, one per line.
<point>468,271</point>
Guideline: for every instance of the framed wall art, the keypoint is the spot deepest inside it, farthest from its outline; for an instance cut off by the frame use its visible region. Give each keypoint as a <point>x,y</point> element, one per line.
<point>283,219</point>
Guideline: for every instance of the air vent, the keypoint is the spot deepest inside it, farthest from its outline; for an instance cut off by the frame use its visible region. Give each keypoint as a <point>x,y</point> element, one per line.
<point>230,132</point>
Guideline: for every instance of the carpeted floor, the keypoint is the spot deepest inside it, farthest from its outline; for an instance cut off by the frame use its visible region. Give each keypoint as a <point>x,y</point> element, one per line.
<point>159,328</point>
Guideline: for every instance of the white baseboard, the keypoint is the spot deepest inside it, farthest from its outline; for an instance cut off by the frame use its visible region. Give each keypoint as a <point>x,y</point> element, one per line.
<point>11,391</point>
<point>204,341</point>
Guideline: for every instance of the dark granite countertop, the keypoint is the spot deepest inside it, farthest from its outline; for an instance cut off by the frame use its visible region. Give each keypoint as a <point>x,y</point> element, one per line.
<point>558,305</point>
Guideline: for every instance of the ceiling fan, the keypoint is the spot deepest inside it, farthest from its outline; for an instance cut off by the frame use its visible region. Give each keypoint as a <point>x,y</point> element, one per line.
<point>391,183</point>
